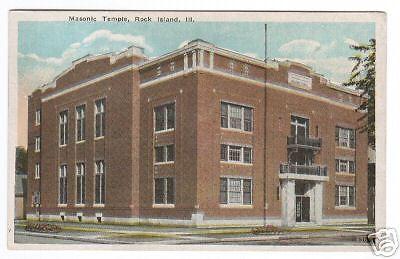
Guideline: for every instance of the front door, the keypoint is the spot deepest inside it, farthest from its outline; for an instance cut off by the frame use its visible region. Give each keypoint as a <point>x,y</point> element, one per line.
<point>302,209</point>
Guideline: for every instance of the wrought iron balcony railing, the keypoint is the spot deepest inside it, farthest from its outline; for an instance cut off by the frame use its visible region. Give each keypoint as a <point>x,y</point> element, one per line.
<point>317,170</point>
<point>304,141</point>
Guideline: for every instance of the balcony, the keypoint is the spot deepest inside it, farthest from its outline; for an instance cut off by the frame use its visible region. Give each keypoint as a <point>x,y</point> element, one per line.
<point>304,142</point>
<point>305,172</point>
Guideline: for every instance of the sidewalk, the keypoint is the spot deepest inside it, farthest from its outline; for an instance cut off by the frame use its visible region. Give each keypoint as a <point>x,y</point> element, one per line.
<point>119,234</point>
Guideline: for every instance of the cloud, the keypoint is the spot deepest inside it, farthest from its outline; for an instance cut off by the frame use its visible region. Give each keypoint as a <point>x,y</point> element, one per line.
<point>350,41</point>
<point>183,43</point>
<point>81,48</point>
<point>116,37</point>
<point>305,48</point>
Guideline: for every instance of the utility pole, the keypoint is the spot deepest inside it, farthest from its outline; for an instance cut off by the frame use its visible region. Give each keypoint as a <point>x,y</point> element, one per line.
<point>265,123</point>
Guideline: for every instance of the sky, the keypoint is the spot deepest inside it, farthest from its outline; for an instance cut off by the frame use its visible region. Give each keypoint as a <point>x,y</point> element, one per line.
<point>45,49</point>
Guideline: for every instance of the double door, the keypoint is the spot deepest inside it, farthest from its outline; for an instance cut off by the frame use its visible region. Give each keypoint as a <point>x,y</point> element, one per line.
<point>302,208</point>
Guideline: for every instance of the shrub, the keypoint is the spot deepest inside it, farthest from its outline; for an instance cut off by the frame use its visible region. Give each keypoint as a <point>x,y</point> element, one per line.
<point>269,229</point>
<point>42,228</point>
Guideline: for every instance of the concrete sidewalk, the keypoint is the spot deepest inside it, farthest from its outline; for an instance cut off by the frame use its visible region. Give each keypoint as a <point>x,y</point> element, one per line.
<point>119,234</point>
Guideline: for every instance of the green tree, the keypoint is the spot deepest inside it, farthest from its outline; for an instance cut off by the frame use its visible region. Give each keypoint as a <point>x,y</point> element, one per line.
<point>21,160</point>
<point>363,78</point>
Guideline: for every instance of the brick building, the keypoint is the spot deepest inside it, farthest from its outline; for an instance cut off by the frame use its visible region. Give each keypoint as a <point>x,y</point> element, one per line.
<point>199,136</point>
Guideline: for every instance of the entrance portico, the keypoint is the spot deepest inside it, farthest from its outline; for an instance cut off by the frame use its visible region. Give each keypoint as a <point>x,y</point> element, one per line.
<point>301,200</point>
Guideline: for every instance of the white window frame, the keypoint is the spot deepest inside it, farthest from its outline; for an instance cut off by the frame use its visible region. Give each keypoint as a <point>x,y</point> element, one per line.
<point>165,114</point>
<point>347,205</point>
<point>165,192</point>
<point>344,139</point>
<point>80,114</point>
<point>100,170</point>
<point>37,117</point>
<point>345,162</point>
<point>241,154</point>
<point>63,123</point>
<point>241,179</point>
<point>100,112</point>
<point>165,154</point>
<point>37,171</point>
<point>63,174</point>
<point>80,172</point>
<point>242,107</point>
<point>37,144</point>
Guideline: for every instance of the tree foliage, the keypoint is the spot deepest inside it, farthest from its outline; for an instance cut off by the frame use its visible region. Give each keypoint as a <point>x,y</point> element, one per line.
<point>363,78</point>
<point>21,160</point>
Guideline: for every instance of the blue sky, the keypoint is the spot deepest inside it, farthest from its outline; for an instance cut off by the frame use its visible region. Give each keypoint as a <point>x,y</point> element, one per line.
<point>46,48</point>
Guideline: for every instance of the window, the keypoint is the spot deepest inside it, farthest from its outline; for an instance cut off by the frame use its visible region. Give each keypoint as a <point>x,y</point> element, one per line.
<point>345,166</point>
<point>238,154</point>
<point>245,70</point>
<point>100,182</point>
<point>158,72</point>
<point>172,66</point>
<point>37,117</point>
<point>80,123</point>
<point>345,196</point>
<point>80,183</point>
<point>231,66</point>
<point>235,191</point>
<point>236,117</point>
<point>62,194</point>
<point>299,127</point>
<point>164,154</point>
<point>37,171</point>
<point>164,191</point>
<point>36,198</point>
<point>164,117</point>
<point>100,117</point>
<point>37,144</point>
<point>63,120</point>
<point>345,137</point>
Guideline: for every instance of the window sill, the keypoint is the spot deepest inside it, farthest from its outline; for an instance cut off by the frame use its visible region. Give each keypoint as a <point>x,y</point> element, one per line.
<point>62,205</point>
<point>80,141</point>
<point>237,130</point>
<point>236,206</point>
<point>98,138</point>
<point>346,148</point>
<point>344,208</point>
<point>37,151</point>
<point>37,178</point>
<point>345,174</point>
<point>236,163</point>
<point>163,205</point>
<point>165,163</point>
<point>98,205</point>
<point>80,205</point>
<point>164,131</point>
<point>60,146</point>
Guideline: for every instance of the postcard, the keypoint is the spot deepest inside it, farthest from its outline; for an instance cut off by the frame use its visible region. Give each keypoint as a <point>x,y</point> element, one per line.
<point>209,130</point>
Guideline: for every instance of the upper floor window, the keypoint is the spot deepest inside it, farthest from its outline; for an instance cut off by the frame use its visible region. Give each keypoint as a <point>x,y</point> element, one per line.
<point>236,117</point>
<point>100,117</point>
<point>235,191</point>
<point>345,166</point>
<point>245,70</point>
<point>80,123</point>
<point>63,123</point>
<point>80,183</point>
<point>345,137</point>
<point>164,154</point>
<point>37,144</point>
<point>164,117</point>
<point>299,127</point>
<point>62,191</point>
<point>37,171</point>
<point>37,117</point>
<point>345,196</point>
<point>100,182</point>
<point>158,71</point>
<point>164,191</point>
<point>239,154</point>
